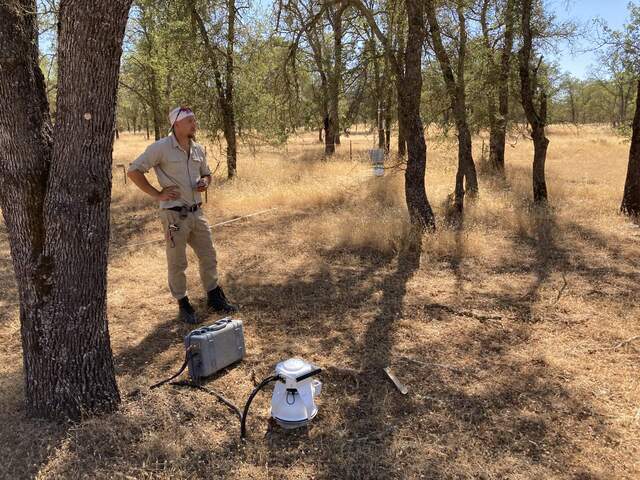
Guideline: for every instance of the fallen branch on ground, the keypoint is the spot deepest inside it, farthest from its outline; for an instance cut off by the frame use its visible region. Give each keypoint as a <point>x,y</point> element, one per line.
<point>564,279</point>
<point>623,343</point>
<point>440,365</point>
<point>462,313</point>
<point>617,345</point>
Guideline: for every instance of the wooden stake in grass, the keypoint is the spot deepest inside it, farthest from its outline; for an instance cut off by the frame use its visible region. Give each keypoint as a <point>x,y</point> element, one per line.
<point>399,385</point>
<point>124,172</point>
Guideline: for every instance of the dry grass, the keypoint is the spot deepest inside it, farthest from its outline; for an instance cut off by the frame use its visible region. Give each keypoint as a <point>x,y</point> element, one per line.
<point>502,328</point>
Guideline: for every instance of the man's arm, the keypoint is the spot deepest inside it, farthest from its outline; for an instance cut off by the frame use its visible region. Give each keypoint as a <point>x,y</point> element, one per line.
<point>166,194</point>
<point>141,165</point>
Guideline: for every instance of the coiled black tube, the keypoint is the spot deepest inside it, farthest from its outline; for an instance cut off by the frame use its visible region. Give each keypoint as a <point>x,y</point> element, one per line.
<point>245,412</point>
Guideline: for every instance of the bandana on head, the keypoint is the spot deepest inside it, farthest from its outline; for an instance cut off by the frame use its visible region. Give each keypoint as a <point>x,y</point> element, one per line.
<point>180,113</point>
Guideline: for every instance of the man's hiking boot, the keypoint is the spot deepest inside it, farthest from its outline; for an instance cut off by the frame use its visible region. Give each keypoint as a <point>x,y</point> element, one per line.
<point>218,302</point>
<point>187,313</point>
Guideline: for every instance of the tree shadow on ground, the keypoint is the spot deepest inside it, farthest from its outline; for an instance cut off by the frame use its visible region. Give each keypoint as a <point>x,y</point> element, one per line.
<point>503,408</point>
<point>136,359</point>
<point>17,433</point>
<point>548,245</point>
<point>477,407</point>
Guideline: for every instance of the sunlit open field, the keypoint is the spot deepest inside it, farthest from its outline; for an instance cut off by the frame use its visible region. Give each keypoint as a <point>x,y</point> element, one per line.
<point>515,332</point>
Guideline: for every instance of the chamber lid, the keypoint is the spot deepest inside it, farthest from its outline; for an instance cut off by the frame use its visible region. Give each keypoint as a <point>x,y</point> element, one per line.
<point>293,367</point>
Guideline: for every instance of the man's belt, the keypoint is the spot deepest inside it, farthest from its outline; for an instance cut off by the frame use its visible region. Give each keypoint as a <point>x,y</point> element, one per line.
<point>192,208</point>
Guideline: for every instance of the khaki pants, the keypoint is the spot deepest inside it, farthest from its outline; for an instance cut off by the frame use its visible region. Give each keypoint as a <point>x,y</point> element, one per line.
<point>194,231</point>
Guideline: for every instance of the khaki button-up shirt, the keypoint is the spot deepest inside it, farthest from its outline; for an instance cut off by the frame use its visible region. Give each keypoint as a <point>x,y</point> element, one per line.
<point>174,166</point>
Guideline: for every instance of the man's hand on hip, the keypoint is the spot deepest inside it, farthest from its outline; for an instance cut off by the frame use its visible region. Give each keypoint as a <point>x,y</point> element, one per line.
<point>168,193</point>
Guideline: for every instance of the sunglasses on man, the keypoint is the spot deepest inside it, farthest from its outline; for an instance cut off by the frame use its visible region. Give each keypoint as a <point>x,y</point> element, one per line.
<point>186,110</point>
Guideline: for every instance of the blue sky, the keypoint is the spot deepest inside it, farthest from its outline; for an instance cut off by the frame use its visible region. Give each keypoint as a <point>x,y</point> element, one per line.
<point>613,12</point>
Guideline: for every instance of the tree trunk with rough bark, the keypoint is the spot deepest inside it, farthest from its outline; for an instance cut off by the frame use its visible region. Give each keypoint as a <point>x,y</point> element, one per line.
<point>324,71</point>
<point>154,92</point>
<point>146,123</point>
<point>378,85</point>
<point>329,132</point>
<point>540,145</point>
<point>408,71</point>
<point>55,190</point>
<point>537,118</point>
<point>387,88</point>
<point>420,210</point>
<point>500,79</point>
<point>224,88</point>
<point>229,130</point>
<point>229,107</point>
<point>631,197</point>
<point>456,90</point>
<point>336,75</point>
<point>402,141</point>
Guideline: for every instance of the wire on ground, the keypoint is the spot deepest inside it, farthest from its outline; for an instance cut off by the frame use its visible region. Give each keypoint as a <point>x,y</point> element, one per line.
<point>226,222</point>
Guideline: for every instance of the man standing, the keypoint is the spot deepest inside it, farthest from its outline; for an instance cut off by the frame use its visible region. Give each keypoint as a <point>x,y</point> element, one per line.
<point>182,171</point>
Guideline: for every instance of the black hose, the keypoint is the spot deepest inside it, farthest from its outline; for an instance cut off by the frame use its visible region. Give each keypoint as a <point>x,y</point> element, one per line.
<point>187,357</point>
<point>261,385</point>
<point>194,384</point>
<point>219,396</point>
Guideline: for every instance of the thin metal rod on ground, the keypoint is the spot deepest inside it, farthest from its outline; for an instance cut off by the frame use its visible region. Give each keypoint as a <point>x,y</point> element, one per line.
<point>226,222</point>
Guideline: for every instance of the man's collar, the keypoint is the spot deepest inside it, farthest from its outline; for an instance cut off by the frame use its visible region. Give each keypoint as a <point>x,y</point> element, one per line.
<point>175,143</point>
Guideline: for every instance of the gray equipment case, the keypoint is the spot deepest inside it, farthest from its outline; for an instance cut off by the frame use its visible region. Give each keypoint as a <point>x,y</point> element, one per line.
<point>215,347</point>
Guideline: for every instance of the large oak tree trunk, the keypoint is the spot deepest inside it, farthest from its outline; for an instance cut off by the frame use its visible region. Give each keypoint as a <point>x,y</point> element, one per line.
<point>229,97</point>
<point>418,205</point>
<point>336,75</point>
<point>497,144</point>
<point>378,108</point>
<point>408,73</point>
<point>55,200</point>
<point>224,89</point>
<point>155,106</point>
<point>25,156</point>
<point>536,118</point>
<point>402,139</point>
<point>329,133</point>
<point>499,79</point>
<point>329,127</point>
<point>540,144</point>
<point>456,89</point>
<point>466,167</point>
<point>229,130</point>
<point>498,135</point>
<point>631,196</point>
